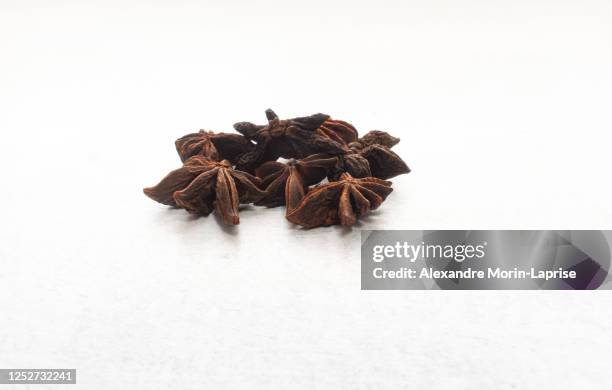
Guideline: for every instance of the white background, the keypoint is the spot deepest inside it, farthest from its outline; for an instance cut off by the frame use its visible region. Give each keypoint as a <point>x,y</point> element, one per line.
<point>503,108</point>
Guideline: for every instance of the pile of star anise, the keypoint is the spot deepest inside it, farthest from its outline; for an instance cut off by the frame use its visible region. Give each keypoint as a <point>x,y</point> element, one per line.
<point>221,171</point>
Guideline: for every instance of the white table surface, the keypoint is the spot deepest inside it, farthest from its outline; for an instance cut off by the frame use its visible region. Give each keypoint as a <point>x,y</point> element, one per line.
<point>504,113</point>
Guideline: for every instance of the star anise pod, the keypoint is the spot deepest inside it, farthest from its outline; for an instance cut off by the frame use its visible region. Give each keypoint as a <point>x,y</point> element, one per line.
<point>384,163</point>
<point>286,184</point>
<point>374,160</point>
<point>351,162</point>
<point>373,137</point>
<point>216,146</point>
<point>202,185</point>
<point>293,138</point>
<point>340,202</point>
<point>370,155</point>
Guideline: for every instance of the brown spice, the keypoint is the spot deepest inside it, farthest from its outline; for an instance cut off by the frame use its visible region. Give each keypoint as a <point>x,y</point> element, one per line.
<point>293,138</point>
<point>202,185</point>
<point>342,201</point>
<point>215,146</point>
<point>317,146</point>
<point>286,184</point>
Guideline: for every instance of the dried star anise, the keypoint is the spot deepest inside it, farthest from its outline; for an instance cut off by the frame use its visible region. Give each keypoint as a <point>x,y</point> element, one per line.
<point>351,162</point>
<point>202,185</point>
<point>293,138</point>
<point>342,201</point>
<point>374,160</point>
<point>384,163</point>
<point>373,137</point>
<point>317,147</point>
<point>375,149</point>
<point>216,146</point>
<point>286,184</point>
